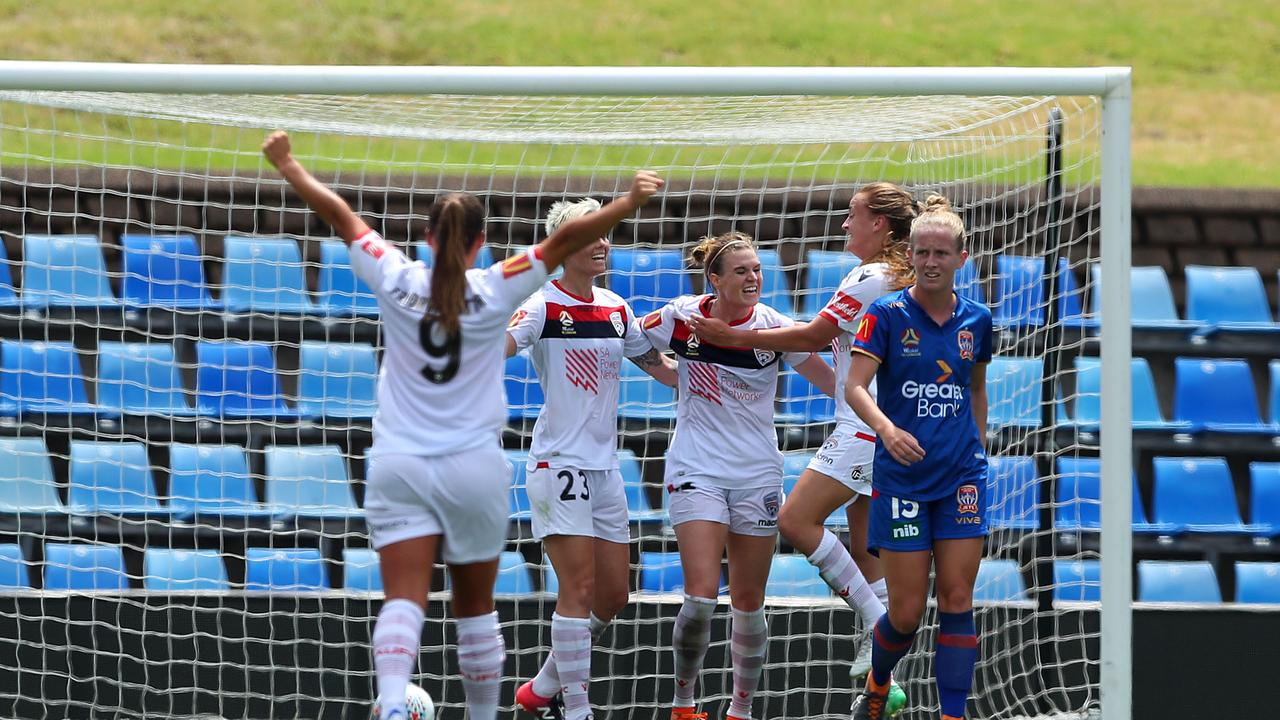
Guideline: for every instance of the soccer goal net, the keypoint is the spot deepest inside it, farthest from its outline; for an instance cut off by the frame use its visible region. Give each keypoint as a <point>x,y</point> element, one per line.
<point>188,373</point>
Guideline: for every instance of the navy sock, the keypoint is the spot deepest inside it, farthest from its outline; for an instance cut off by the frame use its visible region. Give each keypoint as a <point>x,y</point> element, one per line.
<point>953,663</point>
<point>890,646</point>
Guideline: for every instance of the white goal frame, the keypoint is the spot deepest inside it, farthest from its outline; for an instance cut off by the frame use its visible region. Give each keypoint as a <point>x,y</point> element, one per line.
<point>1113,85</point>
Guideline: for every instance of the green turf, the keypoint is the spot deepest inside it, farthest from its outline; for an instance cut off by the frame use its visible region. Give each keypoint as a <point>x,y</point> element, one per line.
<point>1206,90</point>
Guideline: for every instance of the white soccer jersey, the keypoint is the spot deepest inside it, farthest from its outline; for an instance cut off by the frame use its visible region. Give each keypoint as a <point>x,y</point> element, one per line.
<point>578,345</point>
<point>724,418</point>
<point>436,394</point>
<point>862,286</point>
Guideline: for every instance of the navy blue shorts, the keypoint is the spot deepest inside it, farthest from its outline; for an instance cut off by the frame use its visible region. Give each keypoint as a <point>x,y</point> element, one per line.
<point>902,525</point>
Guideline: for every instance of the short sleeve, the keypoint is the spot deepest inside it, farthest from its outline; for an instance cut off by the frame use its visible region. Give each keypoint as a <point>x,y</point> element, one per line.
<point>872,335</point>
<point>658,326</point>
<point>634,343</point>
<point>516,278</point>
<point>857,291</point>
<point>984,347</point>
<point>526,324</point>
<point>791,358</point>
<point>373,259</point>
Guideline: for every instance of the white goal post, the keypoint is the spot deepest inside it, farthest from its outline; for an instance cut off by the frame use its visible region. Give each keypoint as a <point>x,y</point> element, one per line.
<point>1111,86</point>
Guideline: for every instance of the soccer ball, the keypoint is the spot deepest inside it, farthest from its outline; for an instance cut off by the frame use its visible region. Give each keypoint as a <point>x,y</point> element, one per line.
<point>417,701</point>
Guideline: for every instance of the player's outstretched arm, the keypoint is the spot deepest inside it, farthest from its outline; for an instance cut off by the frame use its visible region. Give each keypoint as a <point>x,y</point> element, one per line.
<point>326,203</point>
<point>978,399</point>
<point>818,372</point>
<point>812,336</point>
<point>580,232</point>
<point>901,444</point>
<point>659,366</point>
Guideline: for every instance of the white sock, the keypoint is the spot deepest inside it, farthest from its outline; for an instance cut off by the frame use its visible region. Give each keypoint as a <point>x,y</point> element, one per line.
<point>397,637</point>
<point>689,640</point>
<point>571,647</point>
<point>881,590</point>
<point>547,682</point>
<point>481,652</point>
<point>837,567</point>
<point>747,645</point>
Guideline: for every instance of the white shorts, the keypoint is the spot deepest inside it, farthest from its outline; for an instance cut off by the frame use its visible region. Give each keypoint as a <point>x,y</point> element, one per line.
<point>568,501</point>
<point>461,496</point>
<point>750,511</point>
<point>846,457</point>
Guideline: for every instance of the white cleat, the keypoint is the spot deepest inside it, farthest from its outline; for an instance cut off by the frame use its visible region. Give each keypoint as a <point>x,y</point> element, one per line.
<point>862,661</point>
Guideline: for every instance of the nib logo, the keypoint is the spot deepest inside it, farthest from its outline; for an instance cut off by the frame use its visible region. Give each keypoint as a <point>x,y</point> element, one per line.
<point>946,372</point>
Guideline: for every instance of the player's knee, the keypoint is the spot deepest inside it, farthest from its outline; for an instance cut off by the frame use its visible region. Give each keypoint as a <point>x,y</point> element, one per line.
<point>955,599</point>
<point>610,601</point>
<point>906,612</point>
<point>795,527</point>
<point>746,600</point>
<point>577,593</point>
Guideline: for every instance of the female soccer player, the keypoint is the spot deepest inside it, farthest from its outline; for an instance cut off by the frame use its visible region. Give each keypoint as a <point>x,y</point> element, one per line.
<point>878,226</point>
<point>579,335</point>
<point>438,481</point>
<point>723,469</point>
<point>928,350</point>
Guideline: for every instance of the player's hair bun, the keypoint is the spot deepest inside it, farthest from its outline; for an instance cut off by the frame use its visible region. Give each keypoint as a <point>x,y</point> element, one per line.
<point>936,203</point>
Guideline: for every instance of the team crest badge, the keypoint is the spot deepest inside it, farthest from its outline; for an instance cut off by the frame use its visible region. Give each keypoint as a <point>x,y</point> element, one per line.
<point>910,342</point>
<point>967,500</point>
<point>771,504</point>
<point>616,319</point>
<point>764,357</point>
<point>566,323</point>
<point>965,340</point>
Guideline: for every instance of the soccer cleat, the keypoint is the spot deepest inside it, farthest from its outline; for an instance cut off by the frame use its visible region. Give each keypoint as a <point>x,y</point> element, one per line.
<point>861,664</point>
<point>897,701</point>
<point>870,705</point>
<point>687,713</point>
<point>531,702</point>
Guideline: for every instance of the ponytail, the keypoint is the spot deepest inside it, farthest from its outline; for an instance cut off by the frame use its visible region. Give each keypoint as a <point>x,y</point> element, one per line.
<point>456,221</point>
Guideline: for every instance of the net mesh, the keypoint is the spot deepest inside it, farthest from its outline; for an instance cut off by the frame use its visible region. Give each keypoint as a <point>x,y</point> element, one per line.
<point>188,373</point>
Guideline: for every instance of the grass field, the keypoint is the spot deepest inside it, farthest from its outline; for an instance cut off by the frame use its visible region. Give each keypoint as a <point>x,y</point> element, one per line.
<point>1207,97</point>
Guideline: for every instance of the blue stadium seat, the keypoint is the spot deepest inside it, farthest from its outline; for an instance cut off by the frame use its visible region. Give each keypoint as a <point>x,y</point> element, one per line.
<point>422,250</point>
<point>638,507</point>
<point>1146,405</point>
<point>1013,392</point>
<point>776,291</point>
<point>967,283</point>
<point>237,379</point>
<point>64,271</point>
<point>163,271</point>
<point>1078,501</point>
<point>340,292</point>
<point>211,481</point>
<point>640,397</point>
<point>1019,291</point>
<point>337,380</point>
<point>1264,497</point>
<point>40,377</point>
<point>26,478</point>
<point>824,269</point>
<point>999,581</point>
<point>361,570</point>
<point>84,567</point>
<point>518,499</point>
<point>793,466</point>
<point>647,279</point>
<point>1013,494</point>
<point>661,572</point>
<point>1177,581</point>
<point>1078,580</point>
<point>524,393</point>
<point>513,575</point>
<point>1217,395</point>
<point>8,291</point>
<point>1274,401</point>
<point>802,402</point>
<point>1228,296</point>
<point>1257,582</point>
<point>166,569</point>
<point>309,482</point>
<point>1070,299</point>
<point>13,568</point>
<point>265,274</point>
<point>793,576</point>
<point>291,570</point>
<point>1151,298</point>
<point>112,478</point>
<point>1196,495</point>
<point>141,379</point>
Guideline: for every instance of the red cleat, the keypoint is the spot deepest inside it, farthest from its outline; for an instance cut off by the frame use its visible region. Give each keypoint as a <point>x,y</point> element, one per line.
<point>531,702</point>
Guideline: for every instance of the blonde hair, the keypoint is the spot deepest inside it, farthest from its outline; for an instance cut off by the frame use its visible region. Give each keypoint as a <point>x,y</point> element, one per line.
<point>900,210</point>
<point>708,254</point>
<point>938,214</point>
<point>562,211</point>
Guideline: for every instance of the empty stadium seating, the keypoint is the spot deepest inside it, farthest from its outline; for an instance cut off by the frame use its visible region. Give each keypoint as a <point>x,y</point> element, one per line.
<point>824,269</point>
<point>339,291</point>
<point>285,570</point>
<point>141,379</point>
<point>795,576</point>
<point>309,482</point>
<point>64,271</point>
<point>1013,392</point>
<point>776,290</point>
<point>801,401</point>
<point>238,379</point>
<point>265,275</point>
<point>1196,495</point>
<point>43,378</point>
<point>1257,582</point>
<point>164,271</point>
<point>660,572</point>
<point>524,393</point>
<point>647,279</point>
<point>361,570</point>
<point>513,575</point>
<point>80,567</point>
<point>1178,581</point>
<point>167,569</point>
<point>14,574</point>
<point>1231,296</point>
<point>27,484</point>
<point>1077,580</point>
<point>211,482</point>
<point>1217,395</point>
<point>998,581</point>
<point>1013,494</point>
<point>640,397</point>
<point>112,478</point>
<point>337,380</point>
<point>1019,291</point>
<point>1146,406</point>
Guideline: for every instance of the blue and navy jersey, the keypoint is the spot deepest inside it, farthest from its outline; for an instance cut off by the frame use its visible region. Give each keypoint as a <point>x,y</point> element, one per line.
<point>923,384</point>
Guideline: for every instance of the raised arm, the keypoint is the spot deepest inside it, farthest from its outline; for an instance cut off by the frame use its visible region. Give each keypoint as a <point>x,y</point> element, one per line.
<point>901,444</point>
<point>326,203</point>
<point>812,336</point>
<point>580,232</point>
